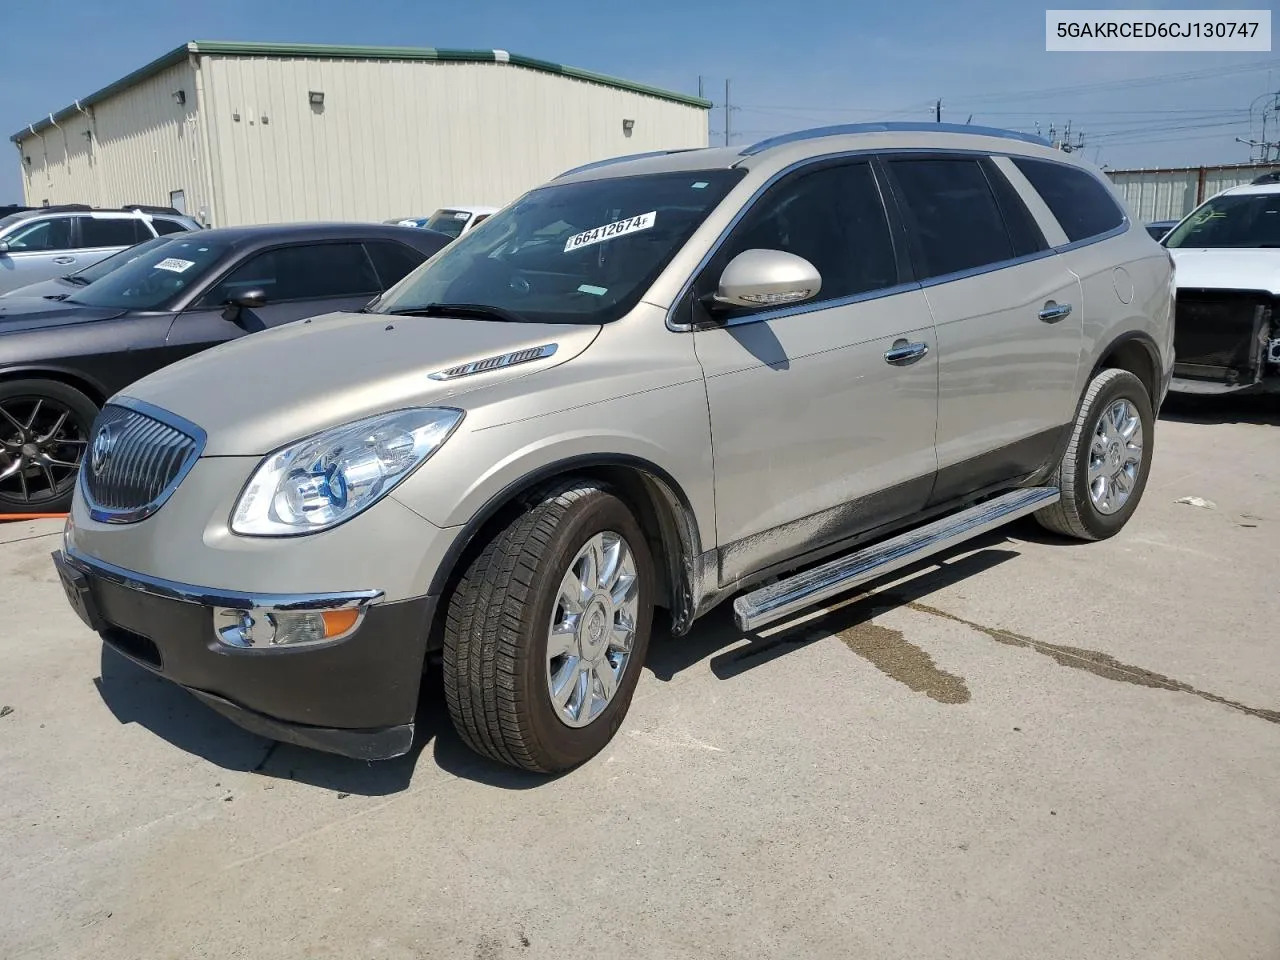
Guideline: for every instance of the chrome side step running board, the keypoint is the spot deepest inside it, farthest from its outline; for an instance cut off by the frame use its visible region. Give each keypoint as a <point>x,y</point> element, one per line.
<point>803,590</point>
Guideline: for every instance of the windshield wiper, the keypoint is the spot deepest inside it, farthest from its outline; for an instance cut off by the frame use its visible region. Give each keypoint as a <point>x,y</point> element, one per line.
<point>479,311</point>
<point>78,280</point>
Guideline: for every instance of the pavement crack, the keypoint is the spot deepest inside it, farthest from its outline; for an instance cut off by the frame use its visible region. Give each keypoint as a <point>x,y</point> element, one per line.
<point>896,657</point>
<point>266,756</point>
<point>1092,661</point>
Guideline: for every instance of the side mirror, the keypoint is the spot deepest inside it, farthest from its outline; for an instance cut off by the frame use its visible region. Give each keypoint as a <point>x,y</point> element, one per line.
<point>4,247</point>
<point>250,299</point>
<point>766,278</point>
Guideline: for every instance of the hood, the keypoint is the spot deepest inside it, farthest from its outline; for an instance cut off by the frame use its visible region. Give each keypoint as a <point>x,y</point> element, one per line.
<point>57,287</point>
<point>32,313</point>
<point>260,392</point>
<point>1234,268</point>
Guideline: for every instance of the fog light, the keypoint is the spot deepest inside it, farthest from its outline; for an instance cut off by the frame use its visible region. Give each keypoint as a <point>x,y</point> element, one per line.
<point>259,628</point>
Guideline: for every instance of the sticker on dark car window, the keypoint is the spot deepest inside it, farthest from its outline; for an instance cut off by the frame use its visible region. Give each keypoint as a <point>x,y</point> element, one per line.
<point>619,228</point>
<point>175,265</point>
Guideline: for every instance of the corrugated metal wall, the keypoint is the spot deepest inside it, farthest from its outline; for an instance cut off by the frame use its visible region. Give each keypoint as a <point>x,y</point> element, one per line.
<point>1173,193</point>
<point>144,146</point>
<point>401,138</point>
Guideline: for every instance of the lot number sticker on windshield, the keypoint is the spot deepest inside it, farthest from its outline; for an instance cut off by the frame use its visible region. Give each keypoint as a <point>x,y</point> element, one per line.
<point>175,265</point>
<point>619,228</point>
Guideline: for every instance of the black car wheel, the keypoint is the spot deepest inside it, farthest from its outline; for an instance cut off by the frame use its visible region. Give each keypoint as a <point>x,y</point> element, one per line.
<point>44,433</point>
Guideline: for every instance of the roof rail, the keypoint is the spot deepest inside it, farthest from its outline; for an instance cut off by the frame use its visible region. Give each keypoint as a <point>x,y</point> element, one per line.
<point>147,208</point>
<point>612,160</point>
<point>893,127</point>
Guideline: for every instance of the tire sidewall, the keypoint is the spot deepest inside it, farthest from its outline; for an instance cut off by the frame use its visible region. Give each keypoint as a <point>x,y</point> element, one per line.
<point>1125,386</point>
<point>568,746</point>
<point>83,407</point>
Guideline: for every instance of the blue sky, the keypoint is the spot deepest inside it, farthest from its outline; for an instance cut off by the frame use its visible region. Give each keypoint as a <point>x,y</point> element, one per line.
<point>795,64</point>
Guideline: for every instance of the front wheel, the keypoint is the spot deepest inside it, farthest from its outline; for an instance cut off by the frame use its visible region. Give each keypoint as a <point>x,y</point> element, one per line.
<point>548,628</point>
<point>1105,468</point>
<point>44,432</point>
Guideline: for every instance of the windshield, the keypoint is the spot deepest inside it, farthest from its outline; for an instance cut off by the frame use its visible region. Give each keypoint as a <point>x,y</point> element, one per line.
<point>103,267</point>
<point>569,253</point>
<point>1234,220</point>
<point>449,222</point>
<point>151,280</point>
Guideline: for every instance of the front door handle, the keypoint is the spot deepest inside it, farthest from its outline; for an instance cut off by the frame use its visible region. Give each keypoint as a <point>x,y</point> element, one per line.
<point>64,260</point>
<point>904,352</point>
<point>1054,311</point>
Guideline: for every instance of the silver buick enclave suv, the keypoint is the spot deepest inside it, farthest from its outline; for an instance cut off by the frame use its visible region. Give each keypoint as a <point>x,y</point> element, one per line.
<point>777,372</point>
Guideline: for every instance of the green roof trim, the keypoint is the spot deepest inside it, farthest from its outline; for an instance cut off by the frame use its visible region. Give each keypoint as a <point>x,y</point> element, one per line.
<point>343,52</point>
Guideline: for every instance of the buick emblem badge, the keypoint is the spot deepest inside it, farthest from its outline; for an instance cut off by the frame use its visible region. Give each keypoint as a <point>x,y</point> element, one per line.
<point>100,452</point>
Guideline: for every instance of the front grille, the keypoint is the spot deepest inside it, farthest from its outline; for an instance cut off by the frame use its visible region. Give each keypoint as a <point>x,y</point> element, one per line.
<point>1219,329</point>
<point>134,462</point>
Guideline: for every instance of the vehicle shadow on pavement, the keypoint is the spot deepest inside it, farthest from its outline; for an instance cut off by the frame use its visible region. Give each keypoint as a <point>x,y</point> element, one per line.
<point>1261,410</point>
<point>135,695</point>
<point>669,655</point>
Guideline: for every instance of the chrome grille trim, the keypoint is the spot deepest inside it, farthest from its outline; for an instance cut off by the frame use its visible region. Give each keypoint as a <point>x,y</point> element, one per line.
<point>149,453</point>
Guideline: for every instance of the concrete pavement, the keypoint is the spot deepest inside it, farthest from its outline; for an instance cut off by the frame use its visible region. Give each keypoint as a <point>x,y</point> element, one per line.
<point>1033,749</point>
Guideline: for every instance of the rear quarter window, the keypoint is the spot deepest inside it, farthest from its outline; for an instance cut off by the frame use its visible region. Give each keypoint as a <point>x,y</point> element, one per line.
<point>1083,206</point>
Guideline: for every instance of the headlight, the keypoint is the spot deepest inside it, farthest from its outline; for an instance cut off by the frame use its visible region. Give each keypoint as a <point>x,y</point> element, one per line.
<point>325,479</point>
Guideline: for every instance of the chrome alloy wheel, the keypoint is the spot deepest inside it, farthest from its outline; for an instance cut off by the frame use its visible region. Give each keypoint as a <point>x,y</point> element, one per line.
<point>593,629</point>
<point>1115,457</point>
<point>41,445</point>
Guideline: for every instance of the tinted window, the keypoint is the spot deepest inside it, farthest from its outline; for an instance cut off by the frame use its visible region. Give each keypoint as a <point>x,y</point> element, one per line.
<point>394,261</point>
<point>53,233</point>
<point>1023,229</point>
<point>832,217</point>
<point>310,272</point>
<point>111,231</point>
<point>1082,205</point>
<point>164,226</point>
<point>151,280</point>
<point>578,252</point>
<point>953,215</point>
<point>100,269</point>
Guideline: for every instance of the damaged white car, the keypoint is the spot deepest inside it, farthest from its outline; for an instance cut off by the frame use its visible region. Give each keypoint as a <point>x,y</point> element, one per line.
<point>1227,321</point>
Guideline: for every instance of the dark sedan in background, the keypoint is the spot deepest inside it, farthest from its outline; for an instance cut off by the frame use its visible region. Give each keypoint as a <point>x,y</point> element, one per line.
<point>60,359</point>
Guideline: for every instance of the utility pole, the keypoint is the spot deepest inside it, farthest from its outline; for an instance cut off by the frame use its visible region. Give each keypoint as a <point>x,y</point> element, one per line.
<point>700,87</point>
<point>726,111</point>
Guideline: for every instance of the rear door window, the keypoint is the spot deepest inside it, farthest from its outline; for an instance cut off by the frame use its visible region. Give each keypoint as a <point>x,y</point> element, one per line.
<point>1081,204</point>
<point>952,215</point>
<point>111,231</point>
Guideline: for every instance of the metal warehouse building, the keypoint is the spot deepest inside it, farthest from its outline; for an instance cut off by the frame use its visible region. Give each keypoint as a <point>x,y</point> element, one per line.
<point>239,133</point>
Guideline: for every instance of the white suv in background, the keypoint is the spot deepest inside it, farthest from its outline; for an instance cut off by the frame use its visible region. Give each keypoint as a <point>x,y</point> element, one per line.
<point>1227,321</point>
<point>47,242</point>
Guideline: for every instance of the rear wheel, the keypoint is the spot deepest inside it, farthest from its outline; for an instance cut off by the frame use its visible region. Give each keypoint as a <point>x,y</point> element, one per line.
<point>44,433</point>
<point>547,631</point>
<point>1104,471</point>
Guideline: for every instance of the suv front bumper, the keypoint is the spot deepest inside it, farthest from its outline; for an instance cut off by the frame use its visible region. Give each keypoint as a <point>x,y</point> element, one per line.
<point>355,696</point>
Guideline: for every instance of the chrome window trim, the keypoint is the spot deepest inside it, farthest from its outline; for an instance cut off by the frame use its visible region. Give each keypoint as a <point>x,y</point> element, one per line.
<point>216,597</point>
<point>676,327</point>
<point>198,436</point>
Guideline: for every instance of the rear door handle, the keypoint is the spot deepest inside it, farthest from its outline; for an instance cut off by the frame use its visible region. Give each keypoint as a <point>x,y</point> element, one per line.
<point>1053,312</point>
<point>904,352</point>
<point>64,260</point>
